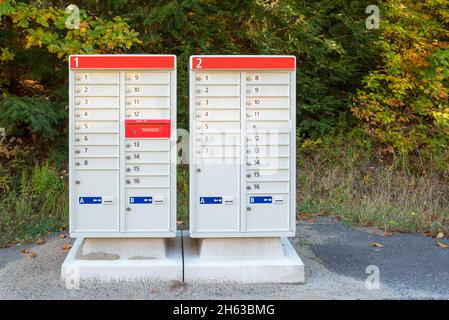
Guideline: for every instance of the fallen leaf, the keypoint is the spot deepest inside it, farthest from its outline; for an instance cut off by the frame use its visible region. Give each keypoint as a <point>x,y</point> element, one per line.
<point>25,251</point>
<point>377,244</point>
<point>62,229</point>
<point>62,235</point>
<point>40,242</point>
<point>440,235</point>
<point>442,245</point>
<point>66,246</point>
<point>32,255</point>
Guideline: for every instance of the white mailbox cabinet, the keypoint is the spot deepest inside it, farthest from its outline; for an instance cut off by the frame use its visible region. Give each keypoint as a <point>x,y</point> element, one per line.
<point>243,145</point>
<point>122,145</point>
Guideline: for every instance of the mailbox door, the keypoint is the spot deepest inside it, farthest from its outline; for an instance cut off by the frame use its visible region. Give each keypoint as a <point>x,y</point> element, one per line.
<point>216,152</point>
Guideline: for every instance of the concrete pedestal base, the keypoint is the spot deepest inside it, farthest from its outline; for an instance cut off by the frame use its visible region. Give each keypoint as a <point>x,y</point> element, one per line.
<point>243,260</point>
<point>115,259</point>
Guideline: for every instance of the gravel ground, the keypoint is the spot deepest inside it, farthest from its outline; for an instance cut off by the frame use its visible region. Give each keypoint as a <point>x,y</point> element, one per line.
<point>335,257</point>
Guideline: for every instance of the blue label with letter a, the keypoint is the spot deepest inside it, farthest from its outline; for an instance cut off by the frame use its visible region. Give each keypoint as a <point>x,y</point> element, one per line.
<point>90,200</point>
<point>211,200</point>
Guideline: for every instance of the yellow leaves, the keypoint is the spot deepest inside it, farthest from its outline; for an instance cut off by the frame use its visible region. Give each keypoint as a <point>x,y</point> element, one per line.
<point>40,242</point>
<point>440,235</point>
<point>24,250</point>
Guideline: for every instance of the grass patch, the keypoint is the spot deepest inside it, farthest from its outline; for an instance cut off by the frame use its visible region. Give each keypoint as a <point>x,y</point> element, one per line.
<point>376,189</point>
<point>32,204</point>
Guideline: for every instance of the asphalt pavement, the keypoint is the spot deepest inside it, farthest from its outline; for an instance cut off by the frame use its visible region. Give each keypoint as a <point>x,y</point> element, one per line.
<point>341,262</point>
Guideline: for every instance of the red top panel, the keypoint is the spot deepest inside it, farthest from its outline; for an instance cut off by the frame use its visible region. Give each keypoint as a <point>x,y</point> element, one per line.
<point>243,62</point>
<point>122,62</point>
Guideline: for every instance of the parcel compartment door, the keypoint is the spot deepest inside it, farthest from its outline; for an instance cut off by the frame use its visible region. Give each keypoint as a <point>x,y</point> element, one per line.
<point>96,200</point>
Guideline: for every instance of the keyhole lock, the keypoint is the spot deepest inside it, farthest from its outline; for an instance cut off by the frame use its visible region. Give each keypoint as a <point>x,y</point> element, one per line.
<point>198,78</point>
<point>128,145</point>
<point>128,209</point>
<point>248,187</point>
<point>77,163</point>
<point>77,182</point>
<point>248,208</point>
<point>128,169</point>
<point>128,181</point>
<point>248,175</point>
<point>77,151</point>
<point>248,164</point>
<point>128,157</point>
<point>77,115</point>
<point>77,139</point>
<point>248,78</point>
<point>198,170</point>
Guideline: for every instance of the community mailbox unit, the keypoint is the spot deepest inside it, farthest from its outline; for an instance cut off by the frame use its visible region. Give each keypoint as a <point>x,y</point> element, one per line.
<point>242,137</point>
<point>122,145</point>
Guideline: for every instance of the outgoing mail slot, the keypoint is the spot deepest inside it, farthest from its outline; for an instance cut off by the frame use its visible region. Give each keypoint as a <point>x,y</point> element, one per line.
<point>148,90</point>
<point>147,113</point>
<point>268,90</point>
<point>217,90</point>
<point>218,103</point>
<point>147,145</point>
<point>268,78</point>
<point>97,127</point>
<point>97,139</point>
<point>148,102</point>
<point>96,151</point>
<point>264,115</point>
<point>97,90</point>
<point>97,77</point>
<point>268,175</point>
<point>97,102</point>
<point>148,157</point>
<point>147,128</point>
<point>148,77</point>
<point>268,151</point>
<point>269,137</point>
<point>147,169</point>
<point>97,114</point>
<point>96,163</point>
<point>217,77</point>
<point>268,102</point>
<point>218,115</point>
<point>268,187</point>
<point>147,181</point>
<point>267,163</point>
